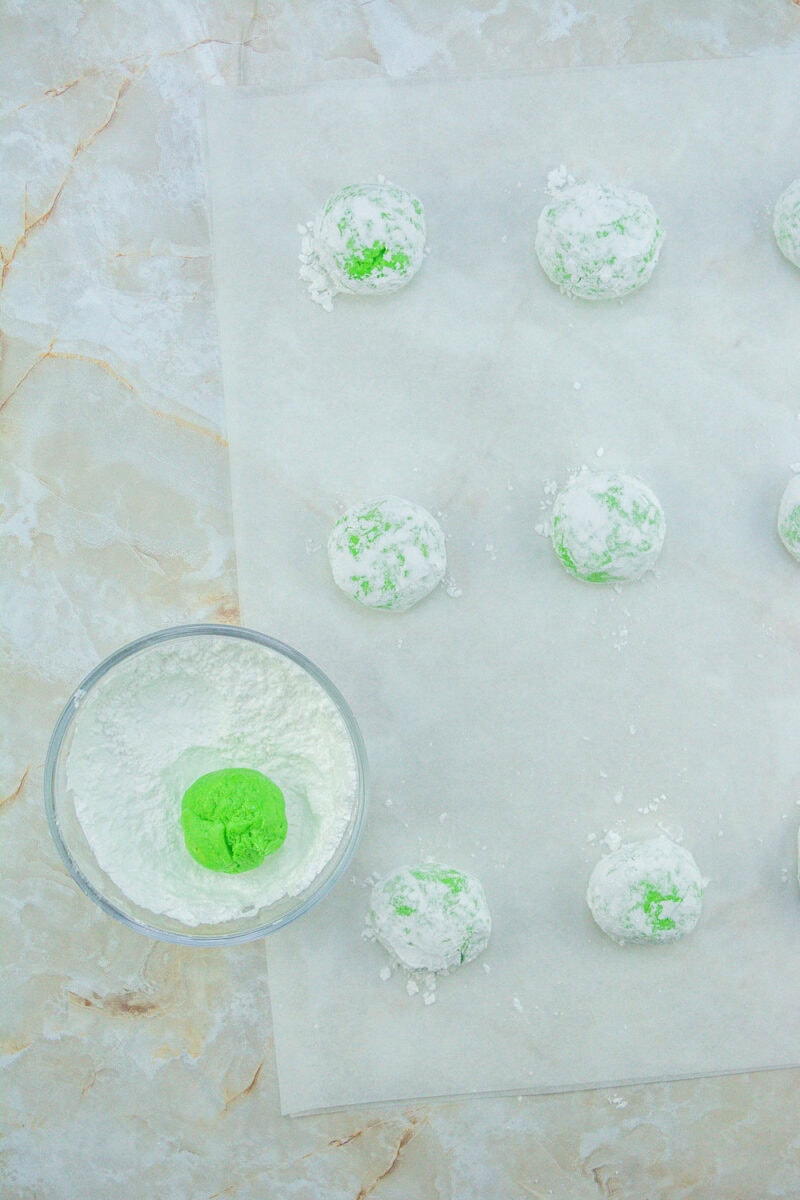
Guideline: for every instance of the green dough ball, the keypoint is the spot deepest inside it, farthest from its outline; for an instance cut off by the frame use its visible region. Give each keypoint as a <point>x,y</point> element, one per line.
<point>786,224</point>
<point>607,527</point>
<point>789,517</point>
<point>233,819</point>
<point>430,917</point>
<point>370,238</point>
<point>649,891</point>
<point>597,241</point>
<point>387,554</point>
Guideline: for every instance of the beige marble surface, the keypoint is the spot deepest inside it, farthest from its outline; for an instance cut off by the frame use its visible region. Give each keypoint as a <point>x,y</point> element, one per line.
<point>143,1069</point>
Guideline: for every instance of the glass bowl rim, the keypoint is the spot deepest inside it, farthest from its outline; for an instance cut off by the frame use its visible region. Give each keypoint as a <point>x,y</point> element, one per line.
<point>68,714</point>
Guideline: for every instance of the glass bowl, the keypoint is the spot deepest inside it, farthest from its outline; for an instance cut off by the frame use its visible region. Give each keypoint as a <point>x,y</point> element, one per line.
<point>114,677</point>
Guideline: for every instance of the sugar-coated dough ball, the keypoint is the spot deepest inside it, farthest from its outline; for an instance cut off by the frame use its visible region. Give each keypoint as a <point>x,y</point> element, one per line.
<point>598,241</point>
<point>607,527</point>
<point>789,517</point>
<point>646,892</point>
<point>786,223</point>
<point>430,917</point>
<point>388,553</point>
<point>367,238</point>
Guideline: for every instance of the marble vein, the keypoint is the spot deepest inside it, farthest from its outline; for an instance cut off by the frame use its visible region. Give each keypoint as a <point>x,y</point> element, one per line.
<point>30,225</point>
<point>17,790</point>
<point>411,1130</point>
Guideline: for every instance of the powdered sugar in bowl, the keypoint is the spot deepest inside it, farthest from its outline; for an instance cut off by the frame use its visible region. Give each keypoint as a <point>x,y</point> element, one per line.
<point>172,707</point>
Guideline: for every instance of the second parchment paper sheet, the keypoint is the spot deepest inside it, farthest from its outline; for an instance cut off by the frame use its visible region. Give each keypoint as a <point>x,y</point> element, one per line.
<point>511,724</point>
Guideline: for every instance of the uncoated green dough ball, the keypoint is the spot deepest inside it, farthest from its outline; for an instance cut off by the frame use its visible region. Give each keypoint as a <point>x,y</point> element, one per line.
<point>387,553</point>
<point>607,527</point>
<point>232,819</point>
<point>370,238</point>
<point>786,223</point>
<point>598,241</point>
<point>789,517</point>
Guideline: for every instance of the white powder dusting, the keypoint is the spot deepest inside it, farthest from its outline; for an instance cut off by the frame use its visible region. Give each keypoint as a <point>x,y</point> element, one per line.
<point>388,553</point>
<point>597,241</point>
<point>607,527</point>
<point>648,891</point>
<point>179,709</point>
<point>789,517</point>
<point>429,918</point>
<point>367,238</point>
<point>786,223</point>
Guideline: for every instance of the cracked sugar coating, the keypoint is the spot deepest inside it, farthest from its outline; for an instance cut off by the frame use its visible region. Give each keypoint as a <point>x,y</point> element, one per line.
<point>429,917</point>
<point>388,553</point>
<point>607,527</point>
<point>789,517</point>
<point>597,241</point>
<point>649,891</point>
<point>367,238</point>
<point>786,223</point>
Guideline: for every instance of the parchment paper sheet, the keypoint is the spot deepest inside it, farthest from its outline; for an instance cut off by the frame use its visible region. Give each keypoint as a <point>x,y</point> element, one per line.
<point>510,726</point>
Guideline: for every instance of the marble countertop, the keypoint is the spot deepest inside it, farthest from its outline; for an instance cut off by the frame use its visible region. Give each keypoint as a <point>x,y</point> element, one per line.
<point>146,1069</point>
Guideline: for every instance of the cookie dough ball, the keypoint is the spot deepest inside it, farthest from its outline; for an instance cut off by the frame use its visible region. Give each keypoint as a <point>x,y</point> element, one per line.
<point>647,892</point>
<point>597,241</point>
<point>786,223</point>
<point>232,819</point>
<point>387,553</point>
<point>789,517</point>
<point>429,918</point>
<point>370,238</point>
<point>607,527</point>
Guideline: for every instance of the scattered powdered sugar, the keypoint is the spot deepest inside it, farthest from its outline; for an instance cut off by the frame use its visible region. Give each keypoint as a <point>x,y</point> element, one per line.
<point>612,840</point>
<point>550,490</point>
<point>620,637</point>
<point>654,804</point>
<point>176,710</point>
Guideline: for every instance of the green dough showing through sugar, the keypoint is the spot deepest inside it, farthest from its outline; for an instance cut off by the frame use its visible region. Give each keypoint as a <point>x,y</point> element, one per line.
<point>607,527</point>
<point>370,238</point>
<point>387,554</point>
<point>650,891</point>
<point>597,241</point>
<point>429,917</point>
<point>374,258</point>
<point>232,819</point>
<point>786,223</point>
<point>789,517</point>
